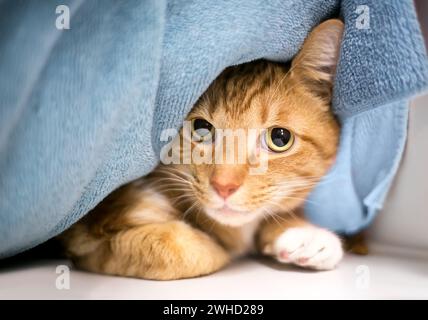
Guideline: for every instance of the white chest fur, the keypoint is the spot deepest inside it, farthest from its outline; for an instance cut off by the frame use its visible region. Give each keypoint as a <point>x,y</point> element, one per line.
<point>247,237</point>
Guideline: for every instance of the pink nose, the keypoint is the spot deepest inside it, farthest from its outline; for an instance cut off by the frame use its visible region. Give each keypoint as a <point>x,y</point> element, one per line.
<point>224,189</point>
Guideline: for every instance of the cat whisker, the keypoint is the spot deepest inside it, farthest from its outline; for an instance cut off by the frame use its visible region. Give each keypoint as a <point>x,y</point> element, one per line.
<point>178,182</point>
<point>189,210</point>
<point>303,200</point>
<point>176,172</point>
<point>177,176</point>
<point>180,199</point>
<point>275,214</point>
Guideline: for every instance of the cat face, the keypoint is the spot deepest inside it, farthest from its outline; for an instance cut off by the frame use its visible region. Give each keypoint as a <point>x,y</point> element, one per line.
<point>287,110</point>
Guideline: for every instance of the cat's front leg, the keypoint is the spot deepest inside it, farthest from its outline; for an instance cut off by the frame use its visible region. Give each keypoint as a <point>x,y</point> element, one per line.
<point>295,241</point>
<point>165,251</point>
<point>158,251</point>
<point>136,233</point>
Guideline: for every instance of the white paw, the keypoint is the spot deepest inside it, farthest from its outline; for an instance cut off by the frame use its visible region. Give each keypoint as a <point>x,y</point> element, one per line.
<point>309,247</point>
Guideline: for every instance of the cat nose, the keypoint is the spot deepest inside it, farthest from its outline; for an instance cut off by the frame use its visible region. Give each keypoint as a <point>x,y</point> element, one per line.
<point>224,188</point>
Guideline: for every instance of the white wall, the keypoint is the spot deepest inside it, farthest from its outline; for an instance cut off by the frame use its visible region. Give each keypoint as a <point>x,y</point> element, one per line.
<point>404,220</point>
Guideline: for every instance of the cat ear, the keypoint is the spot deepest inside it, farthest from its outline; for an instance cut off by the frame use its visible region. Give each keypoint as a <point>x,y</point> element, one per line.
<point>315,65</point>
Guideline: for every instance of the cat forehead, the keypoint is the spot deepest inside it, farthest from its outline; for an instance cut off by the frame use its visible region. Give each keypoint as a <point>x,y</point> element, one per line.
<point>244,93</point>
<point>238,87</point>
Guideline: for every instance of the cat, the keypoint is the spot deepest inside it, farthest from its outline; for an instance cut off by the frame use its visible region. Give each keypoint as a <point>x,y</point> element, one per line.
<point>189,220</point>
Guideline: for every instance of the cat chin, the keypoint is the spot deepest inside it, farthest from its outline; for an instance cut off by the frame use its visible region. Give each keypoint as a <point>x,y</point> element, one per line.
<point>231,218</point>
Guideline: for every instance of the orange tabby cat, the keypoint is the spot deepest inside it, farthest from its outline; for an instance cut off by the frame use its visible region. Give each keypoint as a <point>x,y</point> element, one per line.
<point>187,220</point>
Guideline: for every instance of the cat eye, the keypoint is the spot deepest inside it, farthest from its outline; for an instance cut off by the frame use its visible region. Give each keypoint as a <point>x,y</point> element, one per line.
<point>202,130</point>
<point>279,139</point>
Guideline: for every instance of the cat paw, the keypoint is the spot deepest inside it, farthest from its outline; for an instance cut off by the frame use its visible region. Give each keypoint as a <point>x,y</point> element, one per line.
<point>309,247</point>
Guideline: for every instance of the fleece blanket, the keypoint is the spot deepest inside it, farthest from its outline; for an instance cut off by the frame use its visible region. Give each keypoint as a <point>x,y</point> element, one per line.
<point>82,105</point>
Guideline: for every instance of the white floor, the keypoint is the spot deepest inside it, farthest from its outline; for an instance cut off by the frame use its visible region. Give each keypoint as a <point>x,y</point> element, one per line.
<point>376,276</point>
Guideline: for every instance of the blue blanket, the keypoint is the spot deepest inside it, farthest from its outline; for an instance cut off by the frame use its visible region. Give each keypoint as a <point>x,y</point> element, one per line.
<point>81,109</point>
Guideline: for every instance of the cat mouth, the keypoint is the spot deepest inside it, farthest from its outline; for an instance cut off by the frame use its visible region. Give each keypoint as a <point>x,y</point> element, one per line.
<point>230,216</point>
<point>228,211</point>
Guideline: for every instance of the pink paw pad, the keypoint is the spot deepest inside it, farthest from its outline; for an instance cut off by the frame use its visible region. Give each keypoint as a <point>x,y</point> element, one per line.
<point>284,255</point>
